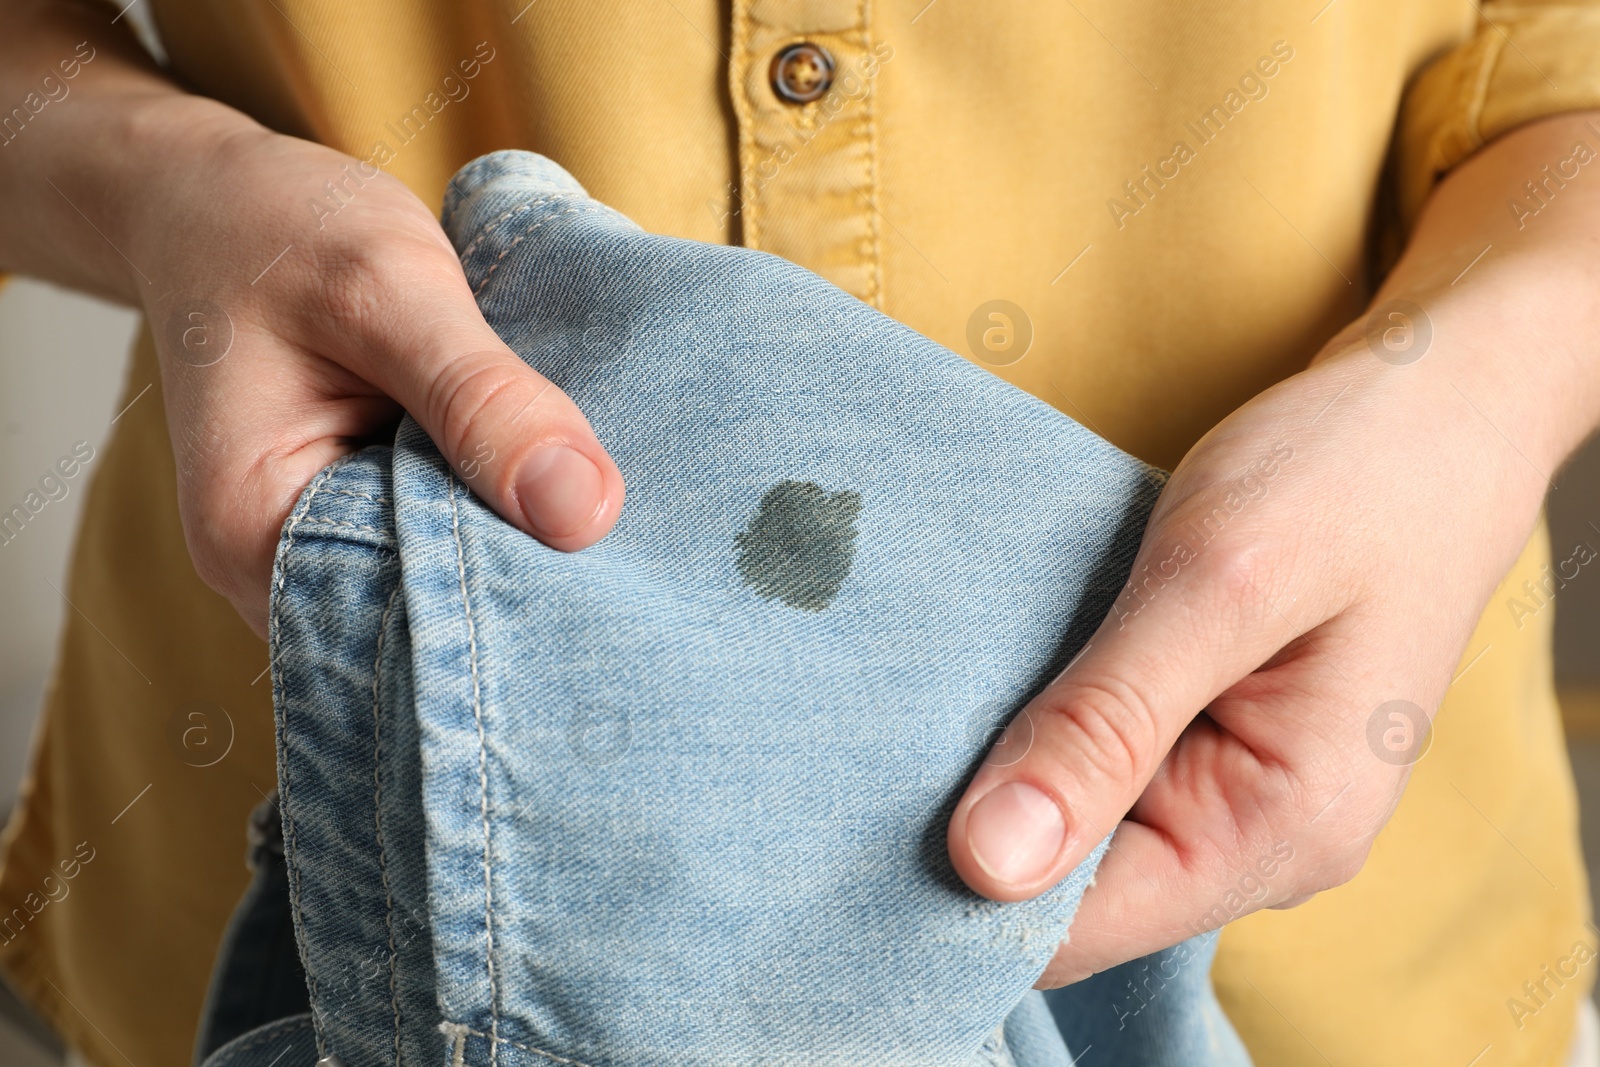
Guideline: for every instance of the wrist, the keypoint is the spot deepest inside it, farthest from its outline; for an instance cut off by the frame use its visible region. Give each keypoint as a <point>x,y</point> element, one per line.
<point>170,146</point>
<point>1512,302</point>
<point>92,184</point>
<point>1517,344</point>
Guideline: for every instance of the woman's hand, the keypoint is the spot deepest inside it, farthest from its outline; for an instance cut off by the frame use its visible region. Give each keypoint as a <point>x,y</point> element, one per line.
<point>300,299</point>
<point>1307,585</point>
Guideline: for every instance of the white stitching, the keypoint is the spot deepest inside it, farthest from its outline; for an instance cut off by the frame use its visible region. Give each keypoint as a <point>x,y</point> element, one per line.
<point>348,525</point>
<point>590,208</point>
<point>460,1031</point>
<point>284,816</point>
<point>483,768</point>
<point>377,814</point>
<point>358,496</point>
<point>529,206</point>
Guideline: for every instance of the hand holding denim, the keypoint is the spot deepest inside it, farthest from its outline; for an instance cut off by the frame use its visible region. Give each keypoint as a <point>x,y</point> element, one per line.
<point>680,798</point>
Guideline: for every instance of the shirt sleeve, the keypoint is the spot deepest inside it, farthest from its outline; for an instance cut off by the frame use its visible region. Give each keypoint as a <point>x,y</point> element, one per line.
<point>1524,61</point>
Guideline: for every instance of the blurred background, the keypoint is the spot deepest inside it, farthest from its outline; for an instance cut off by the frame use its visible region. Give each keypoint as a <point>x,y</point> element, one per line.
<point>61,371</point>
<point>62,358</point>
<point>62,361</point>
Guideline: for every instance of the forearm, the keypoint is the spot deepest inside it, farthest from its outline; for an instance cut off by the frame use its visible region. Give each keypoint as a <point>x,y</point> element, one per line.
<point>1505,263</point>
<point>87,125</point>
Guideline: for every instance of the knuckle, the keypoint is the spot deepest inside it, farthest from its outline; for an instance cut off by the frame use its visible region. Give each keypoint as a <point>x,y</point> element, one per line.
<point>358,282</point>
<point>1109,723</point>
<point>474,399</point>
<point>1241,577</point>
<point>212,546</point>
<point>1337,863</point>
<point>1335,853</point>
<point>231,510</point>
<point>200,512</point>
<point>1327,820</point>
<point>208,562</point>
<point>1236,570</point>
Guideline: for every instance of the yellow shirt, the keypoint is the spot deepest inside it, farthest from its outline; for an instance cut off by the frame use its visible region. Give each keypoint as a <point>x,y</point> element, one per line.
<point>1184,200</point>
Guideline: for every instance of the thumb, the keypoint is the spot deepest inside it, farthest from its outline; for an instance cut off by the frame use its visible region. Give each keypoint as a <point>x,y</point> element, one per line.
<point>1076,758</point>
<point>521,444</point>
<point>516,439</point>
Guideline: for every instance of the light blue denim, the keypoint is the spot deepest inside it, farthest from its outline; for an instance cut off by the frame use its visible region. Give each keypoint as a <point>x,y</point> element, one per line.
<point>680,798</point>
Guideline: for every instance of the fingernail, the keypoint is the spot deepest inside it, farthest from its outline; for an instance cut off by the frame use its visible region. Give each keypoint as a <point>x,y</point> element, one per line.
<point>559,488</point>
<point>1015,832</point>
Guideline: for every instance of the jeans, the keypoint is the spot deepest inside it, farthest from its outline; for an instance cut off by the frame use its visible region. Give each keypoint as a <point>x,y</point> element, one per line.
<point>258,979</point>
<point>680,798</point>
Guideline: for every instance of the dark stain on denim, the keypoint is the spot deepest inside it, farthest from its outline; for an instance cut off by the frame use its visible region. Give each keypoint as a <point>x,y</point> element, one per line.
<point>800,544</point>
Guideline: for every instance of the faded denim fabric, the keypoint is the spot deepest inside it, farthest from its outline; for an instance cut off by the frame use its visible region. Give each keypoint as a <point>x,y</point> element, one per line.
<point>680,798</point>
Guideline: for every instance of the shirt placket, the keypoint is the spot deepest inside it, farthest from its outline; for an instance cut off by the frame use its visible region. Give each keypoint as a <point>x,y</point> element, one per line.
<point>803,78</point>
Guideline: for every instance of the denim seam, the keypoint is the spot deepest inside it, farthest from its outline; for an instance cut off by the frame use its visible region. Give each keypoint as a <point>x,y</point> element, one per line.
<point>575,209</point>
<point>483,769</point>
<point>483,231</point>
<point>377,814</point>
<point>347,525</point>
<point>357,495</point>
<point>461,1031</point>
<point>284,808</point>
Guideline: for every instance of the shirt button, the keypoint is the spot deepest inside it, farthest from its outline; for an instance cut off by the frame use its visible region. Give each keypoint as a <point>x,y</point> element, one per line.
<point>802,72</point>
